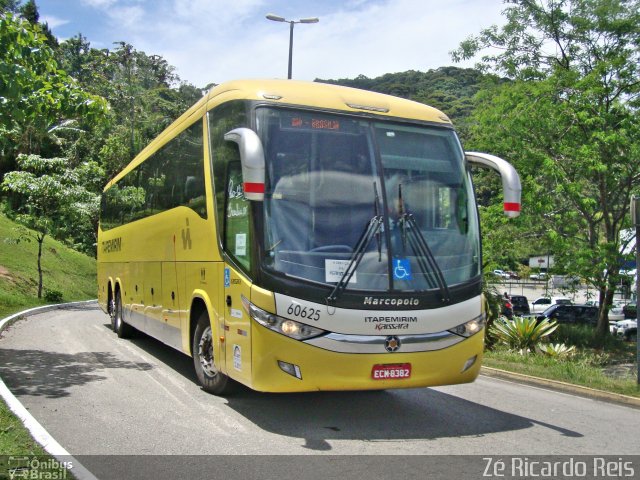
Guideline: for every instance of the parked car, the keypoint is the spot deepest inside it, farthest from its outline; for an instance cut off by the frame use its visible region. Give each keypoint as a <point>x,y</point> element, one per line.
<point>540,304</point>
<point>520,305</point>
<point>629,310</point>
<point>573,314</point>
<point>513,275</point>
<point>627,329</point>
<point>631,334</point>
<point>615,312</point>
<point>501,274</point>
<point>538,276</point>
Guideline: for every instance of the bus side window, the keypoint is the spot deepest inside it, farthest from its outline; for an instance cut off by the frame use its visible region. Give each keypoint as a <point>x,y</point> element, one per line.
<point>237,239</point>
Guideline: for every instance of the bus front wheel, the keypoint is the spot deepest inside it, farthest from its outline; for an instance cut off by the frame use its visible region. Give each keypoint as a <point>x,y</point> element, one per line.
<point>212,380</point>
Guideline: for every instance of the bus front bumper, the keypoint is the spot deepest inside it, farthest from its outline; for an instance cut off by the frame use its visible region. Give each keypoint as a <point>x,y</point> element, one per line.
<point>281,364</point>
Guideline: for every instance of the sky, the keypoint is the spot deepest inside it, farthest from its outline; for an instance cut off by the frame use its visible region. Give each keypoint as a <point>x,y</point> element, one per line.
<point>211,41</point>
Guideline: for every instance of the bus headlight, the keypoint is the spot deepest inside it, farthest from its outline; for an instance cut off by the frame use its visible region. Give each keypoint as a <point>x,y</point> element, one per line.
<point>469,328</point>
<point>285,326</point>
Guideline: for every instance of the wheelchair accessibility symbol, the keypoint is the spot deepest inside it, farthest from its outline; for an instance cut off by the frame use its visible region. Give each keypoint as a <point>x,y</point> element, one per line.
<point>402,269</point>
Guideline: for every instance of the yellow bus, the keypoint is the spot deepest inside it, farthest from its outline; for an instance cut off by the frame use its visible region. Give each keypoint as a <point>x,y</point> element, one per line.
<point>296,236</point>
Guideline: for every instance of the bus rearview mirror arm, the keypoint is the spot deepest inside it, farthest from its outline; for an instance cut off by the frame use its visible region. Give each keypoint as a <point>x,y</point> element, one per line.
<point>252,160</point>
<point>510,179</point>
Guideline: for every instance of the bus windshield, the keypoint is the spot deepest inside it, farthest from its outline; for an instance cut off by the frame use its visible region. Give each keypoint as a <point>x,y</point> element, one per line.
<point>391,201</point>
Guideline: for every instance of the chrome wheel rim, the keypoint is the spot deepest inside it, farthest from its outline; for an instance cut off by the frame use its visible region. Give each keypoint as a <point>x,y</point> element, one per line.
<point>112,312</point>
<point>205,353</point>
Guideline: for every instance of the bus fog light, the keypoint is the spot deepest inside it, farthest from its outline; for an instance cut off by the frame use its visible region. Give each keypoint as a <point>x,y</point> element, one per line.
<point>469,363</point>
<point>290,368</point>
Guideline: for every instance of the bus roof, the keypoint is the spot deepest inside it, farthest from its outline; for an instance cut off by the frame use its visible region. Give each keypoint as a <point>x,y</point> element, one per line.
<point>324,95</point>
<point>293,92</point>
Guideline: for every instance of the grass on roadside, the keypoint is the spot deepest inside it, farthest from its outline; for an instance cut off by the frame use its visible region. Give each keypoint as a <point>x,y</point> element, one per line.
<point>14,438</point>
<point>590,366</point>
<point>71,273</point>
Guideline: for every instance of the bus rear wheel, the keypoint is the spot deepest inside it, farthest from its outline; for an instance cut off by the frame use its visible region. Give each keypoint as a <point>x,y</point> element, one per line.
<point>212,380</point>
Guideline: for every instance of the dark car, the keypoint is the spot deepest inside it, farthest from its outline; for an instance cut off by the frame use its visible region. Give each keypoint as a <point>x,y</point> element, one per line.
<point>574,314</point>
<point>630,334</point>
<point>520,305</point>
<point>629,310</point>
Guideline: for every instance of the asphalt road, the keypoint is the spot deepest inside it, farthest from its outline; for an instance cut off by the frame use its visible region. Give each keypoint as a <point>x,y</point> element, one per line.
<point>100,395</point>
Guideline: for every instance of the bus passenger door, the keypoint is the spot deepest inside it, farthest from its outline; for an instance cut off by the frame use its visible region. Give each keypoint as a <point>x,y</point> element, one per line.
<point>237,245</point>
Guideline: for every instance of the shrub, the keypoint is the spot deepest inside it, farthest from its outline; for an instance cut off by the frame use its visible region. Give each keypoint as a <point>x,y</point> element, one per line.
<point>555,350</point>
<point>53,296</point>
<point>523,333</point>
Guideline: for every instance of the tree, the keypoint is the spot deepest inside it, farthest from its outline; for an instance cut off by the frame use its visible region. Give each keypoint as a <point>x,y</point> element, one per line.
<point>141,91</point>
<point>36,96</point>
<point>51,198</point>
<point>568,118</point>
<point>29,11</point>
<point>10,6</point>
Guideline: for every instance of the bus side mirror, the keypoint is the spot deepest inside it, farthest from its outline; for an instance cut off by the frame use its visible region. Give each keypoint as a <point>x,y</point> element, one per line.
<point>510,179</point>
<point>252,159</point>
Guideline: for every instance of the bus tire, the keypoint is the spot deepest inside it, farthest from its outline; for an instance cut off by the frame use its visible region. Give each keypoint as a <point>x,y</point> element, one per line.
<point>211,380</point>
<point>122,329</point>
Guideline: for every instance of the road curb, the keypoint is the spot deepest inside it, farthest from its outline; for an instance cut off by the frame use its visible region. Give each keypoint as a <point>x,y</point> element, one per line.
<point>37,431</point>
<point>562,387</point>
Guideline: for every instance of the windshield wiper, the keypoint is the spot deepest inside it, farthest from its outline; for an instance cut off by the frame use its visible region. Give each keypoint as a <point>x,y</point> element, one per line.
<point>424,255</point>
<point>376,209</point>
<point>371,230</point>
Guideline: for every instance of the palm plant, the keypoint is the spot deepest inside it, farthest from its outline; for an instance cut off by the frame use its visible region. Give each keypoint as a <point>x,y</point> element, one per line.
<point>555,350</point>
<point>523,333</point>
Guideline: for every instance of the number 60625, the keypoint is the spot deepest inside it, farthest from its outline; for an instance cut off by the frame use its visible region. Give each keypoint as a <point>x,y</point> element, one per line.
<point>298,310</point>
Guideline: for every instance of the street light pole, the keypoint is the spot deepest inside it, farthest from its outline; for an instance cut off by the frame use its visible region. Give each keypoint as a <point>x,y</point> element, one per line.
<point>277,18</point>
<point>289,71</point>
<point>635,218</point>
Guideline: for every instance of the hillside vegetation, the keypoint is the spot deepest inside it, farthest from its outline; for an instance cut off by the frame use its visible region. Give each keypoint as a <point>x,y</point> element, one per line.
<point>66,272</point>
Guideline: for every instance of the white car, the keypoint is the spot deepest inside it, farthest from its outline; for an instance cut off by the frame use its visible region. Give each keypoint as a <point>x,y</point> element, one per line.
<point>538,276</point>
<point>616,313</point>
<point>539,305</point>
<point>501,274</point>
<point>625,329</point>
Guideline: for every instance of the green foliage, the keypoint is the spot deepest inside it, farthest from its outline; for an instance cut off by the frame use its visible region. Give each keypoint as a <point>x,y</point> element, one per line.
<point>556,350</point>
<point>582,368</point>
<point>36,95</point>
<point>568,120</point>
<point>52,199</point>
<point>53,296</point>
<point>65,270</point>
<point>523,333</point>
<point>585,336</point>
<point>15,438</point>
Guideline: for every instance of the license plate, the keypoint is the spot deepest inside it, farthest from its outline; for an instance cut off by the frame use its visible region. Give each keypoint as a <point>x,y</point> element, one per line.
<point>396,371</point>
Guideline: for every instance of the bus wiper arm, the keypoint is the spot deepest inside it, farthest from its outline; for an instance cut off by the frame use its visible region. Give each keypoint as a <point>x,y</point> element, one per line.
<point>425,257</point>
<point>376,208</point>
<point>370,231</point>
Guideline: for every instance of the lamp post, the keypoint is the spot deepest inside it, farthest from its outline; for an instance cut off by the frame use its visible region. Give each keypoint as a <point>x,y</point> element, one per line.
<point>291,23</point>
<point>635,218</point>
